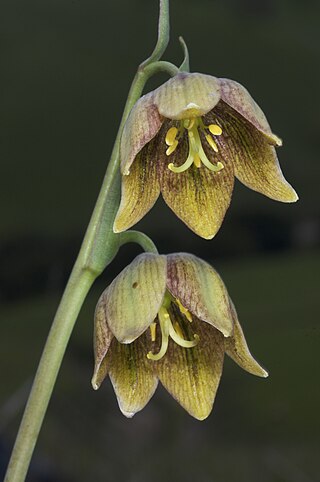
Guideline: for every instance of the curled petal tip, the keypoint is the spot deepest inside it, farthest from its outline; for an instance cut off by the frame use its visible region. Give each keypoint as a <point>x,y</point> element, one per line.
<point>94,383</point>
<point>291,196</point>
<point>127,414</point>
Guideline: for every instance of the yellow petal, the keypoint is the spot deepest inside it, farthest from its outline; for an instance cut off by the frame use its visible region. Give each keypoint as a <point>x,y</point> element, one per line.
<point>254,159</point>
<point>192,375</point>
<point>200,289</point>
<point>139,190</point>
<point>133,299</point>
<point>187,95</point>
<point>132,375</point>
<point>236,347</point>
<point>198,196</point>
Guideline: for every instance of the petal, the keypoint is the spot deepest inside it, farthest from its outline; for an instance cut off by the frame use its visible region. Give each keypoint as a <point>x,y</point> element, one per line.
<point>200,289</point>
<point>142,125</point>
<point>132,375</point>
<point>237,349</point>
<point>139,190</point>
<point>187,95</point>
<point>255,161</point>
<point>237,97</point>
<point>198,196</point>
<point>192,375</point>
<point>102,338</point>
<point>133,299</point>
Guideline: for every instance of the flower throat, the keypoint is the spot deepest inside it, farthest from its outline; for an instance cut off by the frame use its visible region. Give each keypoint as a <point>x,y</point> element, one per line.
<point>168,330</point>
<point>196,154</point>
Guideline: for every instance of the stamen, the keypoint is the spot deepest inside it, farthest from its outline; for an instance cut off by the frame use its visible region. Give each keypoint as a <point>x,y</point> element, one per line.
<point>177,328</point>
<point>181,341</point>
<point>211,143</point>
<point>172,148</point>
<point>183,310</point>
<point>212,167</point>
<point>171,136</point>
<point>215,129</point>
<point>153,328</point>
<point>164,320</point>
<point>196,153</point>
<point>197,160</point>
<point>167,330</point>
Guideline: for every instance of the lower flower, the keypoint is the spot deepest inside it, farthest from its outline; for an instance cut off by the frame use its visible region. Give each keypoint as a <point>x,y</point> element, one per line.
<point>167,318</point>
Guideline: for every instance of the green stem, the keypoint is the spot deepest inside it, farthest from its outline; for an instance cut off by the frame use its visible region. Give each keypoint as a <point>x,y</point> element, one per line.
<point>140,238</point>
<point>185,66</point>
<point>99,247</point>
<point>163,34</point>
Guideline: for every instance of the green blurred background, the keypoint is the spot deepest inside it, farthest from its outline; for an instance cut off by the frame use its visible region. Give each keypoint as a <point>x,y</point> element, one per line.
<point>66,66</point>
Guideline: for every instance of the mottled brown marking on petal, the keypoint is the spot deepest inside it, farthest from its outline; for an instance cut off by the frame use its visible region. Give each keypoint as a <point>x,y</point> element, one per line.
<point>255,161</point>
<point>197,196</point>
<point>237,349</point>
<point>132,374</point>
<point>200,289</point>
<point>187,95</point>
<point>140,189</point>
<point>237,97</point>
<point>192,375</point>
<point>131,310</point>
<point>143,123</point>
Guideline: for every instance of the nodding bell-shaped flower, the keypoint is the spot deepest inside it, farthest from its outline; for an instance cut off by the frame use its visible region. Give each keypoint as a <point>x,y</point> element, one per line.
<point>167,318</point>
<point>188,139</point>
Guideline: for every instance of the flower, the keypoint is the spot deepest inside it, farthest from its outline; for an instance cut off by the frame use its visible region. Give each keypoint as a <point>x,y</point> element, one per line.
<point>167,318</point>
<point>188,139</point>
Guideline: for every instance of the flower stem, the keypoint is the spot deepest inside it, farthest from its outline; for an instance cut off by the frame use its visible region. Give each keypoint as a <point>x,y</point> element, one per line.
<point>140,238</point>
<point>99,247</point>
<point>163,34</point>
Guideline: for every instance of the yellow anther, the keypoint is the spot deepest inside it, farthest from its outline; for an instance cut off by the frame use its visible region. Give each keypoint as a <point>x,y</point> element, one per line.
<point>172,148</point>
<point>196,155</point>
<point>167,330</point>
<point>153,328</point>
<point>177,328</point>
<point>197,160</point>
<point>171,136</point>
<point>215,129</point>
<point>211,143</point>
<point>184,310</point>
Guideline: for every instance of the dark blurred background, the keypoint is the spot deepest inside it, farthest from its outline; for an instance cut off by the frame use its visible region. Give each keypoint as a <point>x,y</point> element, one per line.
<point>66,66</point>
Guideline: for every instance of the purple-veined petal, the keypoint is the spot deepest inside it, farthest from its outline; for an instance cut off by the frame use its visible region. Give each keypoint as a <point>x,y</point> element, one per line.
<point>102,338</point>
<point>237,349</point>
<point>139,189</point>
<point>192,375</point>
<point>132,375</point>
<point>254,159</point>
<point>200,289</point>
<point>143,123</point>
<point>133,299</point>
<point>237,97</point>
<point>198,196</point>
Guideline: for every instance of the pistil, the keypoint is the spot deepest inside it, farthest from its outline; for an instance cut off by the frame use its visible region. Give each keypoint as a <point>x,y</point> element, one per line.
<point>196,154</point>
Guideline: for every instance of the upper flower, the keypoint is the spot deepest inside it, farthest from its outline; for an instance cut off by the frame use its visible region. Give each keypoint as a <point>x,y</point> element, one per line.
<point>188,139</point>
<point>167,318</point>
